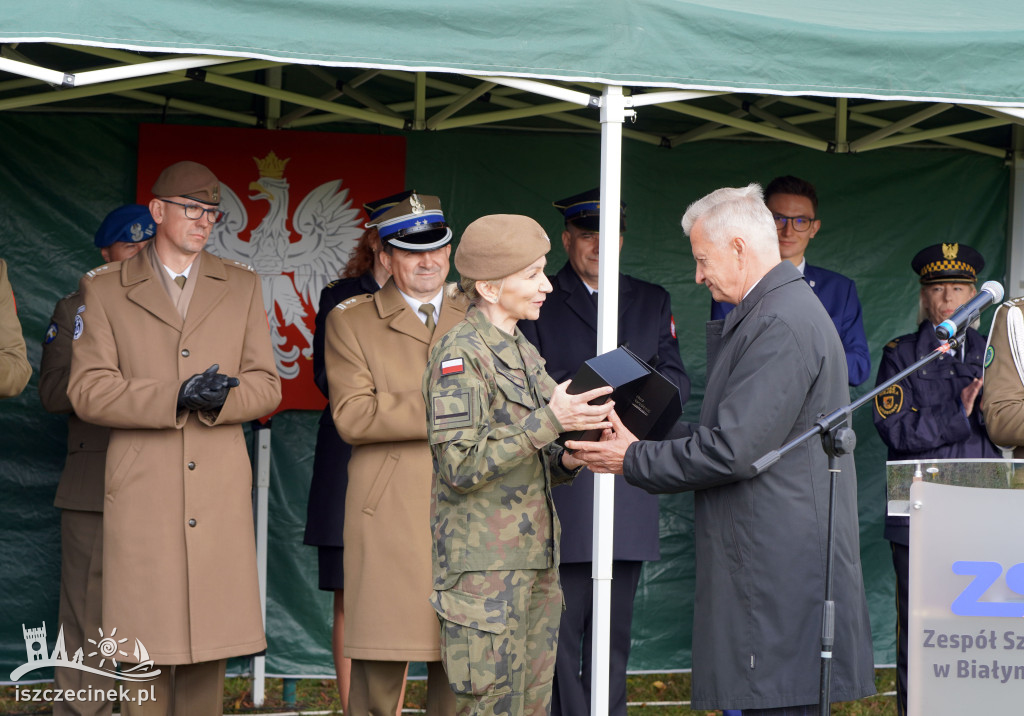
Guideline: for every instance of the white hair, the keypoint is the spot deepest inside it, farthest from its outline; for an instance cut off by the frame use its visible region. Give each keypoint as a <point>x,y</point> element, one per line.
<point>734,211</point>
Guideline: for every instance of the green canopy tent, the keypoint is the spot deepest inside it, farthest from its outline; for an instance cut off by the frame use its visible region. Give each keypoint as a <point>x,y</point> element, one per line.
<point>836,80</point>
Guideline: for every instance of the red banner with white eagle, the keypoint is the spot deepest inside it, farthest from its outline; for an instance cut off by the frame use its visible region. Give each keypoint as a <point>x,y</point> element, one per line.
<point>292,204</point>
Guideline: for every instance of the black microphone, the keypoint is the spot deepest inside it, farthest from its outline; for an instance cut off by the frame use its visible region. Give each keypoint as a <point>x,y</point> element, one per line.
<point>991,292</point>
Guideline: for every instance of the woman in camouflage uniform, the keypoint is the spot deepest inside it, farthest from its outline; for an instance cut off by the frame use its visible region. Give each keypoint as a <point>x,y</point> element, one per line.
<point>493,414</point>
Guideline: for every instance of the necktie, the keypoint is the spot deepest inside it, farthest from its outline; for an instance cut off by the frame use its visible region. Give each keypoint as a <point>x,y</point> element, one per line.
<point>427,309</point>
<point>180,280</point>
<point>593,298</point>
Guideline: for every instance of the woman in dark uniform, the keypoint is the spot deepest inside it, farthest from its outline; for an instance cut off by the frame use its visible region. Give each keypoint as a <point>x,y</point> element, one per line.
<point>935,412</point>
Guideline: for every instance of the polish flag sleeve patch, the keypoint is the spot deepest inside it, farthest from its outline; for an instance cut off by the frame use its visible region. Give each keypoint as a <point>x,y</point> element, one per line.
<point>453,366</point>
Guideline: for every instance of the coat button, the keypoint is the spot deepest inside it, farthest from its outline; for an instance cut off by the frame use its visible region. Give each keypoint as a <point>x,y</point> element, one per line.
<point>191,523</point>
<point>191,466</point>
<point>185,353</point>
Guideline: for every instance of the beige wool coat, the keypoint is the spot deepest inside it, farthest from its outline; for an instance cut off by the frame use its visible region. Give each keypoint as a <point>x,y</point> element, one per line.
<point>376,352</point>
<point>15,369</point>
<point>179,558</point>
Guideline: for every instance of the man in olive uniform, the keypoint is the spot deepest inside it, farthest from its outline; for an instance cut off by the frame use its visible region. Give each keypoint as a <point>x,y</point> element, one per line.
<point>173,353</point>
<point>124,232</point>
<point>375,352</point>
<point>1002,401</point>
<point>15,369</point>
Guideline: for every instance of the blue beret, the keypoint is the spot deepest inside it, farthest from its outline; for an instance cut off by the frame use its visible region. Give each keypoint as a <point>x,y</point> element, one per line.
<point>130,223</point>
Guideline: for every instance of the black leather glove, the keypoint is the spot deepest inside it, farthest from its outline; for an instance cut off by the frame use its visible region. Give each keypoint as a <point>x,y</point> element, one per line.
<point>205,391</point>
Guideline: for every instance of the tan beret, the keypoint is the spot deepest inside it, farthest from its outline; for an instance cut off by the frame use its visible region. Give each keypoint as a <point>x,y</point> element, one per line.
<point>498,245</point>
<point>190,180</point>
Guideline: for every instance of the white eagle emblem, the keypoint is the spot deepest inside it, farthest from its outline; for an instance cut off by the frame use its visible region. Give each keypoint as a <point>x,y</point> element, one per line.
<point>291,272</point>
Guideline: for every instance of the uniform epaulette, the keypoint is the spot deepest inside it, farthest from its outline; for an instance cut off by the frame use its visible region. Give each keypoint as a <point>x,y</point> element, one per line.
<point>101,269</point>
<point>354,301</point>
<point>239,264</point>
<point>70,295</point>
<point>333,283</point>
<point>1014,302</point>
<point>893,343</point>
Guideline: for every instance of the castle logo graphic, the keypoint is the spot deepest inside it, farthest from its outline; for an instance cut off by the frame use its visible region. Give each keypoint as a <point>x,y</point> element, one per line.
<point>105,649</point>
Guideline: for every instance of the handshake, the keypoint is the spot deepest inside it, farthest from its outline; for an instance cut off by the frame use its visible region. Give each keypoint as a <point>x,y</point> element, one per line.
<point>205,391</point>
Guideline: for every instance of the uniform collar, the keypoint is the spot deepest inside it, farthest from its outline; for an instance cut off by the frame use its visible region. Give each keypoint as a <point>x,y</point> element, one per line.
<point>501,344</point>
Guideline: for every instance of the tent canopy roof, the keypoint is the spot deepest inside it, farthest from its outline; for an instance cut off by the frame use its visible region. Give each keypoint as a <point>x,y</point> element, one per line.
<point>825,76</point>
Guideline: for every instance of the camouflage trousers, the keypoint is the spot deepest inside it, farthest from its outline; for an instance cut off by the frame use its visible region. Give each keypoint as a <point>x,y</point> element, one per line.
<point>499,636</point>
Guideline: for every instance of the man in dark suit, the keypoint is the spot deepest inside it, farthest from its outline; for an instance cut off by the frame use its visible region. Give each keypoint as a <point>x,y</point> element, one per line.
<point>794,205</point>
<point>566,335</point>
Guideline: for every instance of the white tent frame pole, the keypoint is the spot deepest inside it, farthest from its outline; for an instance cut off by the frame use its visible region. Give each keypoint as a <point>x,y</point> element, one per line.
<point>614,109</point>
<point>261,499</point>
<point>1015,237</point>
<point>36,72</point>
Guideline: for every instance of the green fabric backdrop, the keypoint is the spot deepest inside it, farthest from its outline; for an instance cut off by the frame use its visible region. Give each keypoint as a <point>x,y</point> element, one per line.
<point>60,175</point>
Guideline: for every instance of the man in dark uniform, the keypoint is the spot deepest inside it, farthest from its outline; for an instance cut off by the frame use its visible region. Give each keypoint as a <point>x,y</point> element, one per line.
<point>566,336</point>
<point>935,412</point>
<point>124,232</point>
<point>325,510</point>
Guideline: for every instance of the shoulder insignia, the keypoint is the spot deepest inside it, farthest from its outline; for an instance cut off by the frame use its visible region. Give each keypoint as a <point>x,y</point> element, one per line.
<point>70,295</point>
<point>893,343</point>
<point>100,269</point>
<point>990,354</point>
<point>240,265</point>
<point>889,401</point>
<point>355,300</point>
<point>453,366</point>
<point>51,333</point>
<point>79,327</point>
<point>333,283</point>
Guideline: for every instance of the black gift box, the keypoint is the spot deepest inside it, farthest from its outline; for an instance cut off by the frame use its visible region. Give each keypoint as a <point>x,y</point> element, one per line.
<point>645,400</point>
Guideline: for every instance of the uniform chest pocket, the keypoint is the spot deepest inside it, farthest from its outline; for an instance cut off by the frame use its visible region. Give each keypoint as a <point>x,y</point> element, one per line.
<point>940,383</point>
<point>514,386</point>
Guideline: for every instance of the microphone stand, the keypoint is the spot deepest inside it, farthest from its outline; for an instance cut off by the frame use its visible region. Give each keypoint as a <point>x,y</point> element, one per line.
<point>837,439</point>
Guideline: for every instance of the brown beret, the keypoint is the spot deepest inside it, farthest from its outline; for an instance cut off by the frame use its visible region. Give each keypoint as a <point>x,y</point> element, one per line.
<point>190,180</point>
<point>498,245</point>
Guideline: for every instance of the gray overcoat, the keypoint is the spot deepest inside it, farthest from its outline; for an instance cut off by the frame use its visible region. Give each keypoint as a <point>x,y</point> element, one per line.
<point>775,363</point>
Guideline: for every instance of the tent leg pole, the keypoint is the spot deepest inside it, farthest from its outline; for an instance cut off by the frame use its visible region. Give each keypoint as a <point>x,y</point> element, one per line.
<point>613,112</point>
<point>261,459</point>
<point>1015,240</point>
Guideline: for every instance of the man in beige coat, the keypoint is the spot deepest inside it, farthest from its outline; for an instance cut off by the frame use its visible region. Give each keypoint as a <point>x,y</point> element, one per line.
<point>124,232</point>
<point>376,351</point>
<point>173,353</point>
<point>15,369</point>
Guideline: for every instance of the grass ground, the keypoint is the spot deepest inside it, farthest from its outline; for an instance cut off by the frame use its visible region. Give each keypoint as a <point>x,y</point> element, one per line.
<point>648,694</point>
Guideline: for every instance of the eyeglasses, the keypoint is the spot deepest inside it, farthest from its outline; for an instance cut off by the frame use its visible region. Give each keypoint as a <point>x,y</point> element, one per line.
<point>194,211</point>
<point>799,223</point>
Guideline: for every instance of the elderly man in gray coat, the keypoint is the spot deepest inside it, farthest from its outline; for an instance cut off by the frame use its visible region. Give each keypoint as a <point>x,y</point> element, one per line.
<point>775,363</point>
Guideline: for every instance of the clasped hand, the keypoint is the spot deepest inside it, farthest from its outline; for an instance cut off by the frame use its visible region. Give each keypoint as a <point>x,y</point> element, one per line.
<point>205,391</point>
<point>608,454</point>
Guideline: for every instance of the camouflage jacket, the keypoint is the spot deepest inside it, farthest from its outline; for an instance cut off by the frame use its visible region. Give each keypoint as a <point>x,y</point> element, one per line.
<point>491,437</point>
